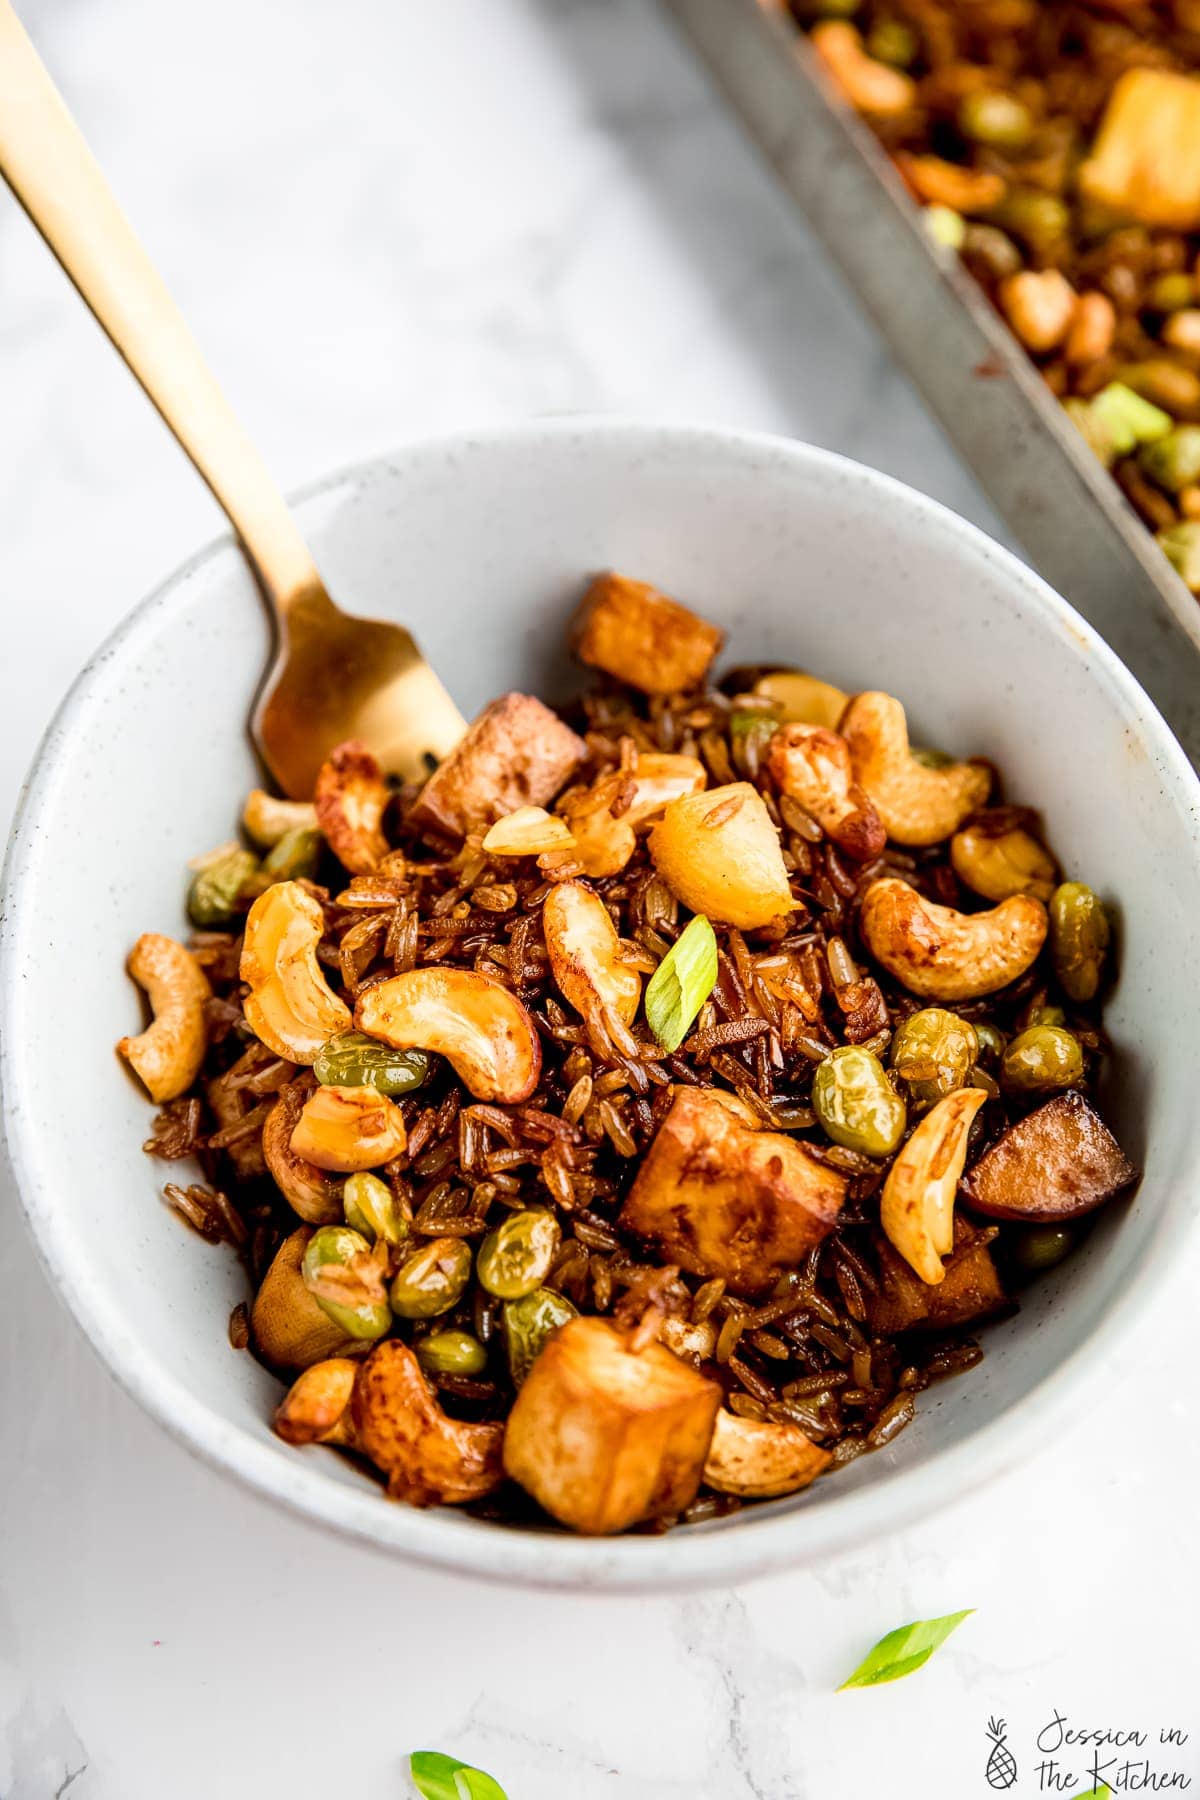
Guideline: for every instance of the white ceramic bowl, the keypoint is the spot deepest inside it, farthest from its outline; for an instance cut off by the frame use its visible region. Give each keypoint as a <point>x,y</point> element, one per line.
<point>482,545</point>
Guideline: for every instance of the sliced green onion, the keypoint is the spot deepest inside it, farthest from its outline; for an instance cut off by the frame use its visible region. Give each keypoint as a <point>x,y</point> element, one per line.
<point>682,983</point>
<point>1126,419</point>
<point>441,1777</point>
<point>903,1651</point>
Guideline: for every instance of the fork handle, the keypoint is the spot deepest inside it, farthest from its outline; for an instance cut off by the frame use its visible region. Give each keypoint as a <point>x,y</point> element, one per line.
<point>57,180</point>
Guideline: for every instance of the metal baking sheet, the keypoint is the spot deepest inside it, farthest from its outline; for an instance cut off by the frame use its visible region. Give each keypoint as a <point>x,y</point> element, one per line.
<point>1075,524</point>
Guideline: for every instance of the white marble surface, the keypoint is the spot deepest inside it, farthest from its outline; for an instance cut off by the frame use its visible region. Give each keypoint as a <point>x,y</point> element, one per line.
<point>382,219</point>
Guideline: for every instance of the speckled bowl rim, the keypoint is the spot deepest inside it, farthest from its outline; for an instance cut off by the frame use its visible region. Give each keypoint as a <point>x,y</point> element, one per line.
<point>755,1542</point>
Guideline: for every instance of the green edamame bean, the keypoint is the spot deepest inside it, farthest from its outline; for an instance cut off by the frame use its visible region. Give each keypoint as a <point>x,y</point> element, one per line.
<point>1042,1059</point>
<point>528,1323</point>
<point>515,1259</point>
<point>857,1104</point>
<point>1037,1248</point>
<point>934,1052</point>
<point>372,1208</point>
<point>215,889</point>
<point>451,1353</point>
<point>345,1283</point>
<point>295,857</point>
<point>1079,934</point>
<point>354,1060</point>
<point>433,1280</point>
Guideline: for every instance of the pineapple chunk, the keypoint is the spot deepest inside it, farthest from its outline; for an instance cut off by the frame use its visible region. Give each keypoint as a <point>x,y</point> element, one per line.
<point>1145,162</point>
<point>720,854</point>
<point>720,1196</point>
<point>630,630</point>
<point>603,1436</point>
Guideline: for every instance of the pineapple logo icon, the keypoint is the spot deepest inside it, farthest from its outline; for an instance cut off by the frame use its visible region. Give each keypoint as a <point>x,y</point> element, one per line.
<point>1001,1764</point>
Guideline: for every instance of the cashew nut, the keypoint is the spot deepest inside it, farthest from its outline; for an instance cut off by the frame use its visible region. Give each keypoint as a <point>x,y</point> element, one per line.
<point>871,87</point>
<point>350,799</point>
<point>307,1189</point>
<point>759,1459</point>
<point>530,831</point>
<point>601,841</point>
<point>999,863</point>
<point>349,1128</point>
<point>475,1022</point>
<point>585,959</point>
<point>918,804</point>
<point>603,818</point>
<point>803,699</point>
<point>429,1459</point>
<point>289,1005</point>
<point>917,1206</point>
<point>316,1408</point>
<point>946,955</point>
<point>168,1054</point>
<point>719,853</point>
<point>812,766</point>
<point>288,1327</point>
<point>267,819</point>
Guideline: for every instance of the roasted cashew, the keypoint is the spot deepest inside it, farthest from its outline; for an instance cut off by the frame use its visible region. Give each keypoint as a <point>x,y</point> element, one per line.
<point>429,1459</point>
<point>268,819</point>
<point>917,1207</point>
<point>603,818</point>
<point>585,960</point>
<point>946,955</point>
<point>316,1408</point>
<point>307,1189</point>
<point>760,1459</point>
<point>601,841</point>
<point>289,1005</point>
<point>812,766</point>
<point>918,804</point>
<point>530,831</point>
<point>345,1129</point>
<point>476,1023</point>
<point>803,699</point>
<point>350,798</point>
<point>168,1054</point>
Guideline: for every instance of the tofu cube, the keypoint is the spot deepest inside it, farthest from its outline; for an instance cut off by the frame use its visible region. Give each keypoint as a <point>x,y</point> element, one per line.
<point>630,630</point>
<point>720,1196</point>
<point>603,1436</point>
<point>516,753</point>
<point>969,1290</point>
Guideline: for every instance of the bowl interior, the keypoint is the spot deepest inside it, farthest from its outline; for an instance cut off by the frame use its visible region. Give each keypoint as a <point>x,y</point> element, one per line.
<point>482,546</point>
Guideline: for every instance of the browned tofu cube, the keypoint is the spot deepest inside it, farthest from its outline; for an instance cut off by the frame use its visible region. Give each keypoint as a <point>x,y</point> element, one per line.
<point>719,1196</point>
<point>630,630</point>
<point>517,753</point>
<point>603,1436</point>
<point>1056,1163</point>
<point>970,1289</point>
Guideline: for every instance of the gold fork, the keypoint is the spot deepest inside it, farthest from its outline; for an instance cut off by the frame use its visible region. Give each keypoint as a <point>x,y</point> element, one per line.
<point>332,676</point>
